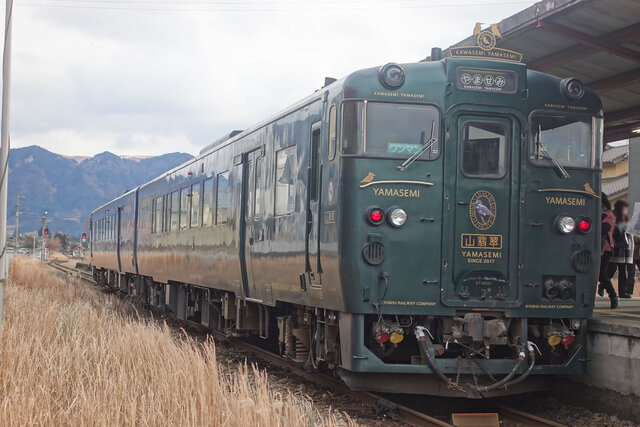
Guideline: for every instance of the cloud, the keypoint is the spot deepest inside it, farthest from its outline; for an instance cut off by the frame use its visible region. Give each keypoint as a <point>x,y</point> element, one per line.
<point>145,82</point>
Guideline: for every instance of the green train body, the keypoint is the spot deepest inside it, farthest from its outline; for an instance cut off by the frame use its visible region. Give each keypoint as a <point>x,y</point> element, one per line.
<point>453,200</point>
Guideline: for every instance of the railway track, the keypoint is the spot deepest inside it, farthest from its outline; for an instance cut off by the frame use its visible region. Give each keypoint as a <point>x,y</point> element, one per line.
<point>505,416</point>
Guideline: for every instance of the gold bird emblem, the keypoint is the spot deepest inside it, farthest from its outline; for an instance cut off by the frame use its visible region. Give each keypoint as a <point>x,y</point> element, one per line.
<point>588,189</point>
<point>478,28</point>
<point>495,31</point>
<point>369,177</point>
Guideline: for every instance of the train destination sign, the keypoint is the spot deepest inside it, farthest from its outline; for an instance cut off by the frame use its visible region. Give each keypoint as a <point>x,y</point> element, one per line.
<point>484,80</point>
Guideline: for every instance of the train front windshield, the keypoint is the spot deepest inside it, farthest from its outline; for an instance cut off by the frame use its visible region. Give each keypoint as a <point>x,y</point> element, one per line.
<point>391,129</point>
<point>567,140</point>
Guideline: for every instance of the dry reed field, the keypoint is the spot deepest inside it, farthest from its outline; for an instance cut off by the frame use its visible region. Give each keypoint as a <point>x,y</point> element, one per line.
<point>71,355</point>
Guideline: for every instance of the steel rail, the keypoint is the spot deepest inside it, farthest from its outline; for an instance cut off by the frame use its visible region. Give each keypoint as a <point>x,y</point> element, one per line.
<point>518,417</point>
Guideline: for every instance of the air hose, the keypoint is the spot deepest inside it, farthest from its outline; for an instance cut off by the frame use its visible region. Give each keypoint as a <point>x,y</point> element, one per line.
<point>422,343</point>
<point>532,357</point>
<point>505,382</point>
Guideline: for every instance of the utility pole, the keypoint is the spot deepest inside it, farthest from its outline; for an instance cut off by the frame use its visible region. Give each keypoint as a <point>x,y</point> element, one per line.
<point>4,148</point>
<point>44,237</point>
<point>18,197</point>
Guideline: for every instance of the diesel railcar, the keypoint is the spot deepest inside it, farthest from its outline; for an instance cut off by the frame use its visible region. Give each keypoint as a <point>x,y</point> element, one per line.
<point>420,228</point>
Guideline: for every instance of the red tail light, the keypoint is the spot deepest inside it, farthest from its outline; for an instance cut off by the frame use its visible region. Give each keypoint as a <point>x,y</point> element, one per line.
<point>584,225</point>
<point>567,340</point>
<point>375,216</point>
<point>382,337</point>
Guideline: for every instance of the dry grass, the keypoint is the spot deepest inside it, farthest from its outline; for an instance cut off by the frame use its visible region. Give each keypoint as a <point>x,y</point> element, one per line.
<point>71,355</point>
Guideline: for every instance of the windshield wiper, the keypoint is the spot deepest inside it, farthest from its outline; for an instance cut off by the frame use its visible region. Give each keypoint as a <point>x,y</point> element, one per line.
<point>543,149</point>
<point>425,146</point>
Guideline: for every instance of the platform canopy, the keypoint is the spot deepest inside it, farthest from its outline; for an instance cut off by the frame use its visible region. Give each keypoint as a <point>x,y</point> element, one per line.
<point>597,41</point>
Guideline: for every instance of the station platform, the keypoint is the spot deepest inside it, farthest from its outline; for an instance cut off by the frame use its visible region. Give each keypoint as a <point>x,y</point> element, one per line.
<point>628,309</point>
<point>612,380</point>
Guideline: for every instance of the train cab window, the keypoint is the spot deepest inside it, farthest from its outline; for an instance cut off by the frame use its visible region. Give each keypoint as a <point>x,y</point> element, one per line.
<point>195,205</point>
<point>566,140</point>
<point>331,148</point>
<point>351,127</point>
<point>207,203</point>
<point>222,198</point>
<point>175,206</point>
<point>285,181</point>
<point>484,149</point>
<point>401,130</point>
<point>184,208</point>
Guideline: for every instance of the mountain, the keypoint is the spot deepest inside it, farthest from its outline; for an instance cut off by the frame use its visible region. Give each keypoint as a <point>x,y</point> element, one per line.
<point>69,188</point>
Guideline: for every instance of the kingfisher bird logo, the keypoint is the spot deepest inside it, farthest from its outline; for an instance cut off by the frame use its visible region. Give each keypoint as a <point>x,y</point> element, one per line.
<point>485,46</point>
<point>482,210</point>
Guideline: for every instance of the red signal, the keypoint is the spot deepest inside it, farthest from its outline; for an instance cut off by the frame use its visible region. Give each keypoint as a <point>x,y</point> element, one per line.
<point>584,225</point>
<point>84,237</point>
<point>376,215</point>
<point>46,232</point>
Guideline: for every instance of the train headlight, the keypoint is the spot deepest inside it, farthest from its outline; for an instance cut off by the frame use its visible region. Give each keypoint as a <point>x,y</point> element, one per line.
<point>565,224</point>
<point>397,217</point>
<point>572,88</point>
<point>391,76</point>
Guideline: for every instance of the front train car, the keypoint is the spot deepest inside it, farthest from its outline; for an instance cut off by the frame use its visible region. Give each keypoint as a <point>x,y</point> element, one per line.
<point>469,226</point>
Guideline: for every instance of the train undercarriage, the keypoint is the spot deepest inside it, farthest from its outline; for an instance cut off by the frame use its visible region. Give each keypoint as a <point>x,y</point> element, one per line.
<point>473,355</point>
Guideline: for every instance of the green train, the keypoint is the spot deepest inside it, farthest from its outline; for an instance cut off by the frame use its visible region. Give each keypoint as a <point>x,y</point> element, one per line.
<point>428,228</point>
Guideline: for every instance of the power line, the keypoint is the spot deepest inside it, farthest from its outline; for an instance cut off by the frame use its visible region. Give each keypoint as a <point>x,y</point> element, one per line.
<point>242,6</point>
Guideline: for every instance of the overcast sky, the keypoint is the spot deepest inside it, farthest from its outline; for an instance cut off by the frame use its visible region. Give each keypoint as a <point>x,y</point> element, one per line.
<point>155,76</point>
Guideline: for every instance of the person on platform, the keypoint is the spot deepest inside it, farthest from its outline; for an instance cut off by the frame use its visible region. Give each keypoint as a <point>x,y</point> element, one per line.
<point>608,221</point>
<point>622,258</point>
<point>636,258</point>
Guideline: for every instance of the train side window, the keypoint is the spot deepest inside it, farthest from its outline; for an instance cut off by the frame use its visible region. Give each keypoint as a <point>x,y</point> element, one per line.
<point>484,149</point>
<point>156,227</point>
<point>315,168</point>
<point>184,208</point>
<point>175,206</point>
<point>207,203</point>
<point>331,149</point>
<point>285,181</point>
<point>259,184</point>
<point>222,203</point>
<point>166,212</point>
<point>351,127</point>
<point>195,205</point>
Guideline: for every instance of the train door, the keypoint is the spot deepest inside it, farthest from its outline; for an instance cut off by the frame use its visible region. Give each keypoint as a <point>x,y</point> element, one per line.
<point>253,230</point>
<point>486,209</point>
<point>118,236</point>
<point>313,266</point>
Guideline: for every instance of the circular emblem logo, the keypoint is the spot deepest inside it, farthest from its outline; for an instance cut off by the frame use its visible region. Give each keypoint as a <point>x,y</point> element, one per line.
<point>482,210</point>
<point>486,40</point>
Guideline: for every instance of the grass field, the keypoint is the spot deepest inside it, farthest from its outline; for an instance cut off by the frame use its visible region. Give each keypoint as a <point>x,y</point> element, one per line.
<point>71,355</point>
